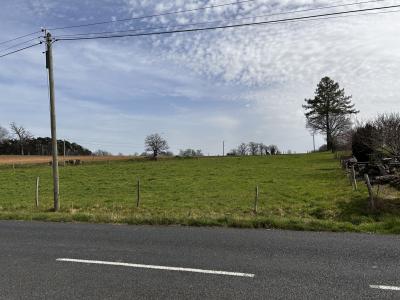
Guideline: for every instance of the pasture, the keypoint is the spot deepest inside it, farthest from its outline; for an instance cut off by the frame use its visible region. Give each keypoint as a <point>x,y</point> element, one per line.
<point>302,192</point>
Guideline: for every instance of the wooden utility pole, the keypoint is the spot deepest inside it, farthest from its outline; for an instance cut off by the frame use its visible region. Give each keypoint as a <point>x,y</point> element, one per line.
<point>49,66</point>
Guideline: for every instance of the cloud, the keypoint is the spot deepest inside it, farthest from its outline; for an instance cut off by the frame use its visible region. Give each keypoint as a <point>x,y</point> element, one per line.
<point>224,122</point>
<point>198,88</point>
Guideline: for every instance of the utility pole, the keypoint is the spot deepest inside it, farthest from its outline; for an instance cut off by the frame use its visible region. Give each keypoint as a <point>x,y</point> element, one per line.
<point>223,148</point>
<point>49,66</point>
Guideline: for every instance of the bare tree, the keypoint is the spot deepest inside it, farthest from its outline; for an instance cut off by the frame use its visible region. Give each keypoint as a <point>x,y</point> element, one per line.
<point>387,128</point>
<point>253,148</point>
<point>262,149</point>
<point>273,149</point>
<point>242,149</point>
<point>190,153</point>
<point>22,134</point>
<point>156,144</point>
<point>101,152</point>
<point>3,134</point>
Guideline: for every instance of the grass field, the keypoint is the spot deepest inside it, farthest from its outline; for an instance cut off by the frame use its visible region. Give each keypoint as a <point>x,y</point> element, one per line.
<point>302,192</point>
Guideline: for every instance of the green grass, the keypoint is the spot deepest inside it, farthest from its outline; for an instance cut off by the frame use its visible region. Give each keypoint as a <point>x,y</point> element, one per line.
<point>302,192</point>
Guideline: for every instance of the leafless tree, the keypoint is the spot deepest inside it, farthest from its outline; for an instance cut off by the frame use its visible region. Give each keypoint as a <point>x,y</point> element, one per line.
<point>273,149</point>
<point>263,149</point>
<point>253,148</point>
<point>156,144</point>
<point>387,135</point>
<point>190,153</point>
<point>242,149</point>
<point>22,134</point>
<point>3,133</point>
<point>101,152</point>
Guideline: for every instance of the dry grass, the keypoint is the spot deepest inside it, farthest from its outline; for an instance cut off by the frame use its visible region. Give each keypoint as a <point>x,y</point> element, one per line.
<point>36,159</point>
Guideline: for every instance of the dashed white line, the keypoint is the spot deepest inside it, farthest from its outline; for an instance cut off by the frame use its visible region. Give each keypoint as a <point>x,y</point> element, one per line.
<point>110,263</point>
<point>385,287</point>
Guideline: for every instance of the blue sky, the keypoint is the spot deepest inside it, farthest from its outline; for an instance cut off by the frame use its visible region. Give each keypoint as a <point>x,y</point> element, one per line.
<point>196,89</point>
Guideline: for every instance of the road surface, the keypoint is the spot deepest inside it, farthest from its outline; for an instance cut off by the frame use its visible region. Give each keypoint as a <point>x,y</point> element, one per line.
<point>88,261</point>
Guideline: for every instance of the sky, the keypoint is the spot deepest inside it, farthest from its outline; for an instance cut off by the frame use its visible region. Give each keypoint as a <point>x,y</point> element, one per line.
<point>195,89</point>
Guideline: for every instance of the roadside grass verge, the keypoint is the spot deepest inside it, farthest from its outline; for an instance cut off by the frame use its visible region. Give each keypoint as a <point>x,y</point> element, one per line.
<point>300,192</point>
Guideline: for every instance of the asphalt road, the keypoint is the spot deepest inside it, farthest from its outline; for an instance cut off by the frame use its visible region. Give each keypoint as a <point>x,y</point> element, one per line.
<point>277,264</point>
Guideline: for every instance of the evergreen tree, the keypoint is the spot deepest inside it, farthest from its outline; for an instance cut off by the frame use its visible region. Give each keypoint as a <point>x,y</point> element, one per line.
<point>328,112</point>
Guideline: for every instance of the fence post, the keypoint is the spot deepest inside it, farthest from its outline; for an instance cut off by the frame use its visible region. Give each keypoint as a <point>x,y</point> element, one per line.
<point>370,192</point>
<point>256,200</point>
<point>353,177</point>
<point>37,191</point>
<point>348,172</point>
<point>138,193</point>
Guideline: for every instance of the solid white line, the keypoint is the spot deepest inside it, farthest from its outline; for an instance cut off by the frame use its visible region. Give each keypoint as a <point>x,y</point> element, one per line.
<point>110,263</point>
<point>385,287</point>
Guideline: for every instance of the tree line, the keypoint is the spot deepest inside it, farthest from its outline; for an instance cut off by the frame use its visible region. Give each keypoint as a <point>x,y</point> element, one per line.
<point>20,141</point>
<point>253,148</point>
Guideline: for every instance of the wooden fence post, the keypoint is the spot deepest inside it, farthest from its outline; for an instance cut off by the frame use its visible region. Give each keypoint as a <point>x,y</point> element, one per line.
<point>370,192</point>
<point>37,191</point>
<point>256,200</point>
<point>348,172</point>
<point>353,177</point>
<point>138,193</point>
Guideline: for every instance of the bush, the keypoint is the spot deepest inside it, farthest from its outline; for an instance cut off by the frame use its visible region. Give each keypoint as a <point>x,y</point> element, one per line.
<point>323,148</point>
<point>362,144</point>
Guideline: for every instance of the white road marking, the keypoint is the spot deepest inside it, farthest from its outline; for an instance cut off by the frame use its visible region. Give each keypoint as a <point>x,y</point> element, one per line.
<point>385,287</point>
<point>110,263</point>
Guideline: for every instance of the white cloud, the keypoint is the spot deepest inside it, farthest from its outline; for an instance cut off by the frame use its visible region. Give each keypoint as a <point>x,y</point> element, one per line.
<point>199,88</point>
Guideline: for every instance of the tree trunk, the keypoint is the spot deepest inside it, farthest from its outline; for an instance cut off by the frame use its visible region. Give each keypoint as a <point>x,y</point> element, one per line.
<point>329,145</point>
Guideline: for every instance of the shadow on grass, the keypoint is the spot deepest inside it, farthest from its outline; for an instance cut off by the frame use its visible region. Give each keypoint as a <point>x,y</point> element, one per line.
<point>356,211</point>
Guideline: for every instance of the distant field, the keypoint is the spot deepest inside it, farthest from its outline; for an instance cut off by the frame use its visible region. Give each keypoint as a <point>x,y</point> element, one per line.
<point>35,159</point>
<point>304,192</point>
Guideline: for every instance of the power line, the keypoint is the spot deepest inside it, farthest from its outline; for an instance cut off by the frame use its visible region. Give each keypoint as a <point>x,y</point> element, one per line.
<point>20,37</point>
<point>226,20</point>
<point>152,16</point>
<point>294,19</point>
<point>175,12</point>
<point>231,26</point>
<point>19,44</point>
<point>21,49</point>
<point>130,19</point>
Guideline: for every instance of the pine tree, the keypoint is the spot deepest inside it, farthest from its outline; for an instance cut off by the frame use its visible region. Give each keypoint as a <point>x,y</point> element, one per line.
<point>329,111</point>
